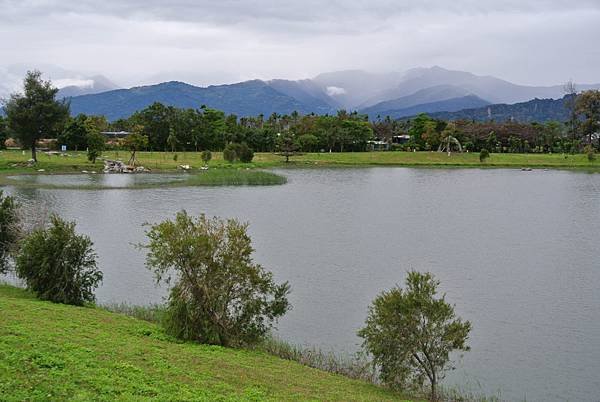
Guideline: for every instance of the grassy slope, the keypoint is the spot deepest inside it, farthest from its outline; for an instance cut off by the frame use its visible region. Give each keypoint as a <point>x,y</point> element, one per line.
<point>164,161</point>
<point>57,352</point>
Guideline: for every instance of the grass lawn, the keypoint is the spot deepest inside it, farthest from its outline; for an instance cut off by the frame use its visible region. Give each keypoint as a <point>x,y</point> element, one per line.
<point>57,352</point>
<point>161,161</point>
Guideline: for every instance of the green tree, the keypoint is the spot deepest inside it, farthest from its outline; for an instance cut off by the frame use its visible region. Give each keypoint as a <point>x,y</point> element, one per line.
<point>308,142</point>
<point>58,264</point>
<point>75,133</point>
<point>172,140</point>
<point>134,142</point>
<point>96,143</point>
<point>287,145</point>
<point>410,333</point>
<point>229,153</point>
<point>483,155</point>
<point>36,112</point>
<point>3,133</point>
<point>220,295</point>
<point>587,106</point>
<point>206,156</point>
<point>9,230</point>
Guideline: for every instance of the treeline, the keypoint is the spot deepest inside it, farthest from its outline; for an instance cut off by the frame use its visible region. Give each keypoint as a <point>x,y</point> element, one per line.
<point>168,128</point>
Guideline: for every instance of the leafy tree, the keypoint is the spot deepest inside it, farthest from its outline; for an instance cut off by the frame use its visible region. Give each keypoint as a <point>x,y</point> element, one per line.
<point>589,151</point>
<point>587,106</point>
<point>410,333</point>
<point>36,112</point>
<point>134,142</point>
<point>243,152</point>
<point>286,145</point>
<point>229,153</point>
<point>172,140</point>
<point>220,295</point>
<point>58,264</point>
<point>308,142</point>
<point>96,143</point>
<point>3,133</point>
<point>206,156</point>
<point>9,229</point>
<point>483,155</point>
<point>75,133</point>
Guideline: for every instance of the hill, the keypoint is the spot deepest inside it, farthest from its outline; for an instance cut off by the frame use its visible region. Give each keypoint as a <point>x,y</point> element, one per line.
<point>536,110</point>
<point>249,98</point>
<point>57,352</point>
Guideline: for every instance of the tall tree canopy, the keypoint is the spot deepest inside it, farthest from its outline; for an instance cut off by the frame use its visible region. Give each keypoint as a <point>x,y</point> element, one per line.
<point>36,113</point>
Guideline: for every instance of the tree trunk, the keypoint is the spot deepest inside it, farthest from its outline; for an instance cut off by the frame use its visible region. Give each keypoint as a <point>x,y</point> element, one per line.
<point>433,394</point>
<point>33,154</point>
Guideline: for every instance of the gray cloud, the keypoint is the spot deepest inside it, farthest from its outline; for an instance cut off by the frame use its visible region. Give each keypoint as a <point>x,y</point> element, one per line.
<point>134,41</point>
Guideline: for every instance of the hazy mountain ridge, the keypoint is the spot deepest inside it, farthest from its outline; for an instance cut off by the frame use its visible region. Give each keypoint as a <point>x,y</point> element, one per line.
<point>395,94</point>
<point>535,110</point>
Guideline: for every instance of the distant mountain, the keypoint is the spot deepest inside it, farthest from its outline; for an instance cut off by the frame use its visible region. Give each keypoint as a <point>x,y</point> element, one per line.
<point>536,110</point>
<point>307,92</point>
<point>424,96</point>
<point>448,105</point>
<point>87,86</point>
<point>248,98</point>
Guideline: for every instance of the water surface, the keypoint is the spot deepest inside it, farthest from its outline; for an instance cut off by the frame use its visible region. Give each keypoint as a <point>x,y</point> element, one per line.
<point>515,251</point>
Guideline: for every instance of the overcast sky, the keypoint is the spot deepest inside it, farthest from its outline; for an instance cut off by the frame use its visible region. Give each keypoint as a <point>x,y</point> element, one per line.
<point>141,41</point>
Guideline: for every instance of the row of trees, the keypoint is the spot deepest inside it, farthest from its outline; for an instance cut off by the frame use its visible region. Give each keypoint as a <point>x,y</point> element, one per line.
<point>37,114</point>
<point>219,295</point>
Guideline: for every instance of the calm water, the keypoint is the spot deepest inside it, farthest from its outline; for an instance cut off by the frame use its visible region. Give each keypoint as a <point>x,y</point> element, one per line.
<point>517,252</point>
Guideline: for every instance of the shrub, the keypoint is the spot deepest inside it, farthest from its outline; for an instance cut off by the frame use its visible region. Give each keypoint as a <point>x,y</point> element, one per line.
<point>175,157</point>
<point>206,156</point>
<point>410,334</point>
<point>9,230</point>
<point>220,295</point>
<point>58,264</point>
<point>229,153</point>
<point>245,153</point>
<point>483,155</point>
<point>96,143</point>
<point>590,152</point>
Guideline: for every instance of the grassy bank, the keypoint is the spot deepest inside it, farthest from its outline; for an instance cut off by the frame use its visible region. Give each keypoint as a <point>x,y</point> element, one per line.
<point>12,161</point>
<point>57,352</point>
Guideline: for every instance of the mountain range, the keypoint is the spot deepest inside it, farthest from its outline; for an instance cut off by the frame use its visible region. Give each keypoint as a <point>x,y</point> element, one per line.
<point>394,94</point>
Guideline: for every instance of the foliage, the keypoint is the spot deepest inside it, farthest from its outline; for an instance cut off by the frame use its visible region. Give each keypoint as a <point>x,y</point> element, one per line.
<point>63,353</point>
<point>58,264</point>
<point>287,145</point>
<point>9,229</point>
<point>245,153</point>
<point>484,154</point>
<point>230,154</point>
<point>410,333</point>
<point>75,133</point>
<point>96,144</point>
<point>3,133</point>
<point>36,112</point>
<point>220,295</point>
<point>590,152</point>
<point>206,156</point>
<point>587,106</point>
<point>135,141</point>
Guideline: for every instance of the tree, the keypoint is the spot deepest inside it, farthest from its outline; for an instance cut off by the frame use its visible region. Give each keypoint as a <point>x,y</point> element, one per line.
<point>587,106</point>
<point>286,145</point>
<point>220,295</point>
<point>483,155</point>
<point>9,229</point>
<point>206,156</point>
<point>172,140</point>
<point>570,90</point>
<point>36,112</point>
<point>230,154</point>
<point>58,264</point>
<point>96,143</point>
<point>410,333</point>
<point>75,133</point>
<point>3,133</point>
<point>134,142</point>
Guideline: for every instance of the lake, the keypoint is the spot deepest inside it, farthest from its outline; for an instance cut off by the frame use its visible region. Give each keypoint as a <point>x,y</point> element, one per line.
<point>515,252</point>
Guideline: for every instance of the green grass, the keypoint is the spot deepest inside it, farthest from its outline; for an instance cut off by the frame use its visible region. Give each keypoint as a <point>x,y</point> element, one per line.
<point>57,352</point>
<point>163,161</point>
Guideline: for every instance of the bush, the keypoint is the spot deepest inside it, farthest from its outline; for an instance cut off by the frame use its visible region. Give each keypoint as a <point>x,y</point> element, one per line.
<point>96,143</point>
<point>411,333</point>
<point>229,153</point>
<point>58,264</point>
<point>483,155</point>
<point>220,295</point>
<point>9,230</point>
<point>206,156</point>
<point>590,152</point>
<point>245,153</point>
